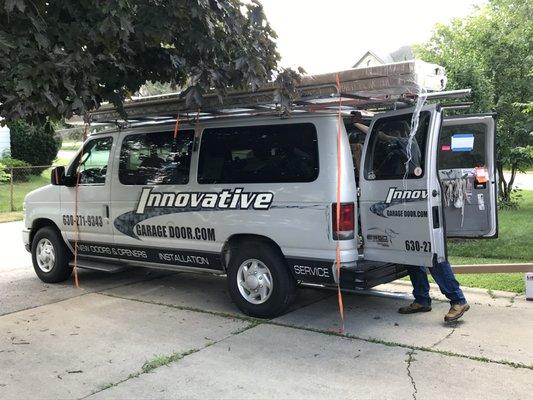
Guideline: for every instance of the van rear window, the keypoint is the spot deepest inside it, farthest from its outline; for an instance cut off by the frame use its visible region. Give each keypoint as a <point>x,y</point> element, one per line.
<point>259,154</point>
<point>451,156</point>
<point>390,153</point>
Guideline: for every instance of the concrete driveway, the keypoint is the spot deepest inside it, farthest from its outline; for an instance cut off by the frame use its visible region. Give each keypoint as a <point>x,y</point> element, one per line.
<point>146,334</point>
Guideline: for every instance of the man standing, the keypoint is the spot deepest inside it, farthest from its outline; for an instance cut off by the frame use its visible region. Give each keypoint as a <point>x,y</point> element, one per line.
<point>397,134</point>
<point>443,275</point>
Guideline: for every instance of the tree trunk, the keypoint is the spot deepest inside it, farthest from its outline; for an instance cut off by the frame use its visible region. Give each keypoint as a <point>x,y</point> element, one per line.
<point>502,183</point>
<point>511,180</point>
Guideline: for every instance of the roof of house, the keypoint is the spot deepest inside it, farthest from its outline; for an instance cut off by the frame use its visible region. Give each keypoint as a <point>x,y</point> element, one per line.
<point>403,53</point>
<point>383,58</point>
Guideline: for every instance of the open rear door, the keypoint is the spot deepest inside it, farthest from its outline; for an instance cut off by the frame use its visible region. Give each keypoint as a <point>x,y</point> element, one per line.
<point>466,164</point>
<point>400,199</point>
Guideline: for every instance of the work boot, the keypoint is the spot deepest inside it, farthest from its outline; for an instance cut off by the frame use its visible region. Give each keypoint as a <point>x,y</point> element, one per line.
<point>414,308</point>
<point>456,312</point>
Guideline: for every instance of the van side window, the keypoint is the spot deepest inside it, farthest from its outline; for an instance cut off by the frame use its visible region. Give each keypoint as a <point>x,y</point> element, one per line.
<point>390,155</point>
<point>259,154</point>
<point>91,163</point>
<point>156,158</point>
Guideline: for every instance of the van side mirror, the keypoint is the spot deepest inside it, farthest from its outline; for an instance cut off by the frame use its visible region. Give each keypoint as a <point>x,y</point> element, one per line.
<point>58,175</point>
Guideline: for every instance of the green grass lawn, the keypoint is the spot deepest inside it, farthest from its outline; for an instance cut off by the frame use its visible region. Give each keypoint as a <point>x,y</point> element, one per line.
<point>20,189</point>
<point>513,245</point>
<point>512,282</point>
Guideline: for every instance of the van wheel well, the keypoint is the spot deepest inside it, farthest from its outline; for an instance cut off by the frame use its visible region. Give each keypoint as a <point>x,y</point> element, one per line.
<point>41,223</point>
<point>238,239</point>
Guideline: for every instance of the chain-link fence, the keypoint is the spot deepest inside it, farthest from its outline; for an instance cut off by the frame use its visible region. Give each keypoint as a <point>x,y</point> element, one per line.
<point>16,182</point>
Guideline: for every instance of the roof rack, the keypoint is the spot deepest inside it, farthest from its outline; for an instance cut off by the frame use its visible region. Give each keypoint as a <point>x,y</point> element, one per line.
<point>373,88</point>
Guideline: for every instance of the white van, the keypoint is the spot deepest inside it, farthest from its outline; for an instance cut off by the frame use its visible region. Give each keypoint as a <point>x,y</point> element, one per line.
<point>255,198</point>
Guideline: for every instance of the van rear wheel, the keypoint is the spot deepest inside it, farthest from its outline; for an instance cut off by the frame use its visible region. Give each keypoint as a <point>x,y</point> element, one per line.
<point>259,281</point>
<point>50,256</point>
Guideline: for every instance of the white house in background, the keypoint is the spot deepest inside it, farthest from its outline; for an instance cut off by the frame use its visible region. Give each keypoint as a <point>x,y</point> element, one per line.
<point>5,140</point>
<point>372,58</point>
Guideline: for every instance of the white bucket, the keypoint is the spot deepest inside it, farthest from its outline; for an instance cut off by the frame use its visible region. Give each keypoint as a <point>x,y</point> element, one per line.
<point>529,285</point>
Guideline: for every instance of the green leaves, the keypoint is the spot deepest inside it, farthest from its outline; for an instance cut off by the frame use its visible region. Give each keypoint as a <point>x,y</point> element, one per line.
<point>35,144</point>
<point>491,52</point>
<point>60,58</point>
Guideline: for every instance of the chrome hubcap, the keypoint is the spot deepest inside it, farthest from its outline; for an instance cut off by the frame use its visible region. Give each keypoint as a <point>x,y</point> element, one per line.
<point>254,281</point>
<point>45,255</point>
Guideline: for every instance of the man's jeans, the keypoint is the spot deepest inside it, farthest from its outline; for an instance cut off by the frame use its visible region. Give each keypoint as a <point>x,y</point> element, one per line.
<point>443,275</point>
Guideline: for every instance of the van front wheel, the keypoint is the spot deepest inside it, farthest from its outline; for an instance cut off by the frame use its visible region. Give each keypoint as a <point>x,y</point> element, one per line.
<point>50,256</point>
<point>259,281</point>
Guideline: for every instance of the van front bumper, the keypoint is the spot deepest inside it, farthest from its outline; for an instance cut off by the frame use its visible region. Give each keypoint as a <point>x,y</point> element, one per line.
<point>26,238</point>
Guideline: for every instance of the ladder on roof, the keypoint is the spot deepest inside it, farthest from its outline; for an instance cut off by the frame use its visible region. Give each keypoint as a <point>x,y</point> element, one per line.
<point>377,87</point>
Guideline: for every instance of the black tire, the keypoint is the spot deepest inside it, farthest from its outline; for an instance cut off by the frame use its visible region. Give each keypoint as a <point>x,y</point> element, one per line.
<point>60,271</point>
<point>283,284</point>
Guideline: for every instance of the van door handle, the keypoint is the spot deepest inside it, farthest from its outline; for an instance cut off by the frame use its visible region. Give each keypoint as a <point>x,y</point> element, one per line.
<point>106,210</point>
<point>435,212</point>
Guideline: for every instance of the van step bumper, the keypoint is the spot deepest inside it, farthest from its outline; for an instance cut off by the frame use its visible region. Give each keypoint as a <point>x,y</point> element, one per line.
<point>368,274</point>
<point>99,266</point>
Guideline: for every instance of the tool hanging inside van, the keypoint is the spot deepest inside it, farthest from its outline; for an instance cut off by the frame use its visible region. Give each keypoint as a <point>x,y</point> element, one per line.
<point>457,191</point>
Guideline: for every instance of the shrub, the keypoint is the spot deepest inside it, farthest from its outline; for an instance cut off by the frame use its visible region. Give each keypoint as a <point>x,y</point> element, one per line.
<point>4,175</point>
<point>512,202</point>
<point>35,144</point>
<point>22,169</point>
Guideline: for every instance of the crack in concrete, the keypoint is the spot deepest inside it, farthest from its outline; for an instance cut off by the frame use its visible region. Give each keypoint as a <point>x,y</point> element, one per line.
<point>150,366</point>
<point>409,361</point>
<point>332,333</point>
<point>445,337</point>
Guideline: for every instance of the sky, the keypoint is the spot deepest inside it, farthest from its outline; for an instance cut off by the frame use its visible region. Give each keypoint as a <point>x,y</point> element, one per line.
<point>331,35</point>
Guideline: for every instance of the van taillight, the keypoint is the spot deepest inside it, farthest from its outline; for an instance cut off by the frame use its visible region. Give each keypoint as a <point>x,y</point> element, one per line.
<point>344,229</point>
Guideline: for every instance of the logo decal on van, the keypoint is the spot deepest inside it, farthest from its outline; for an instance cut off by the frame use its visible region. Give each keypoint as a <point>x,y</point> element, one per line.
<point>382,237</point>
<point>152,204</point>
<point>398,196</point>
<point>224,200</point>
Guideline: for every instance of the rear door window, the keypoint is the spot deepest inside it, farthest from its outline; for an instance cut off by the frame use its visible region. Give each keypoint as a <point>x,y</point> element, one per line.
<point>390,153</point>
<point>462,146</point>
<point>259,154</point>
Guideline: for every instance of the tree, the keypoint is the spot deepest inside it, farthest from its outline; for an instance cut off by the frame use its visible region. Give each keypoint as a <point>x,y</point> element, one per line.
<point>491,52</point>
<point>36,144</point>
<point>59,58</point>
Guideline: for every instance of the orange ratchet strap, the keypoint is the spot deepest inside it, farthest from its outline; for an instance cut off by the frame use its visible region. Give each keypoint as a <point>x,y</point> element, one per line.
<point>338,208</point>
<point>76,218</point>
